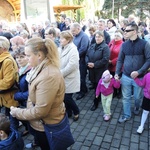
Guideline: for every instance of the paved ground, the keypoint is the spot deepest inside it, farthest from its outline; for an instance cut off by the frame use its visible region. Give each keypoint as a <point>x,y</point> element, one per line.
<point>92,133</point>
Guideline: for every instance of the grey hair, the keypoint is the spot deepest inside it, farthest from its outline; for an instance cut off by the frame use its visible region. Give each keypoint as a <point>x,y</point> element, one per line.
<point>4,43</point>
<point>101,20</point>
<point>75,25</point>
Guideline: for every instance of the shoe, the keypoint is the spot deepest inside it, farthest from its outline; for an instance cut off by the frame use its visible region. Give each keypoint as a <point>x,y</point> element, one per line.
<point>107,117</point>
<point>123,119</point>
<point>140,130</point>
<point>81,95</point>
<point>104,115</point>
<point>94,107</point>
<point>31,145</point>
<point>136,111</point>
<point>75,118</point>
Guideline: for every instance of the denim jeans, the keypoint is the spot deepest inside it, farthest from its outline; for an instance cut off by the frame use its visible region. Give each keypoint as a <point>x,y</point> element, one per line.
<point>129,88</point>
<point>70,104</point>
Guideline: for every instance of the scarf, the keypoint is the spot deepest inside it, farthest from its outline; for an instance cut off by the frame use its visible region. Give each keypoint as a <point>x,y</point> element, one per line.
<point>33,73</point>
<point>22,70</point>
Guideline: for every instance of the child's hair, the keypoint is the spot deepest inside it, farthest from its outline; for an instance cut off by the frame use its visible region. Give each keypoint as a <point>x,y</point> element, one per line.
<point>4,123</point>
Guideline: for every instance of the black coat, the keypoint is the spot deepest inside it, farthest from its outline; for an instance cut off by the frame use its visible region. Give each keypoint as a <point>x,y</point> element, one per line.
<point>99,55</point>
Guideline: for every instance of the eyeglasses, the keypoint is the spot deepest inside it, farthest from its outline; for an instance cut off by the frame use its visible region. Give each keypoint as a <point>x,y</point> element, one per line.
<point>129,30</point>
<point>46,34</point>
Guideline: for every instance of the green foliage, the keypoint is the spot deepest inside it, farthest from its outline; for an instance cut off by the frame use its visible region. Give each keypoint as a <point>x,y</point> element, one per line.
<point>127,7</point>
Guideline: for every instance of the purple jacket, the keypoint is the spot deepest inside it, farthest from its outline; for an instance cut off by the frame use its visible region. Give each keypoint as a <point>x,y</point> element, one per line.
<point>145,83</point>
<point>107,91</point>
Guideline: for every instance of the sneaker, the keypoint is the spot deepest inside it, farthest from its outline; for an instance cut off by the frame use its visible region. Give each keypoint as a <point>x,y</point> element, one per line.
<point>140,130</point>
<point>136,111</point>
<point>31,145</point>
<point>107,118</point>
<point>123,119</point>
<point>104,115</point>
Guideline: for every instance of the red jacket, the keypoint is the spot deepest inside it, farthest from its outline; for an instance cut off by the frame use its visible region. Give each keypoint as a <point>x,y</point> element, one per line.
<point>114,52</point>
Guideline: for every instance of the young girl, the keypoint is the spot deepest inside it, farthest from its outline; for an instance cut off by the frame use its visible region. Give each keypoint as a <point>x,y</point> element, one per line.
<point>106,87</point>
<point>145,83</point>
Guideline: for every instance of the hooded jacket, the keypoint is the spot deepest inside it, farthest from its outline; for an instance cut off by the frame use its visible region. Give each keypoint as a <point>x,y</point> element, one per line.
<point>13,142</point>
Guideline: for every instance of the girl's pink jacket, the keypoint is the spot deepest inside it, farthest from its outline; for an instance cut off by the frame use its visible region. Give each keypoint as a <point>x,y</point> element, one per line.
<point>145,83</point>
<point>107,91</point>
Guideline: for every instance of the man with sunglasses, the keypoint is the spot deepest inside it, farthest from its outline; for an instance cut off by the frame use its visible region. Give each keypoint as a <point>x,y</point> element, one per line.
<point>133,61</point>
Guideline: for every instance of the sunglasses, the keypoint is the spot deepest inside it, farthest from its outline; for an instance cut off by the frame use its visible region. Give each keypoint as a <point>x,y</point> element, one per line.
<point>129,30</point>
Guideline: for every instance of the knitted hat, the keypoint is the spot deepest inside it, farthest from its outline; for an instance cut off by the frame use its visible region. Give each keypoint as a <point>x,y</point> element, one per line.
<point>106,76</point>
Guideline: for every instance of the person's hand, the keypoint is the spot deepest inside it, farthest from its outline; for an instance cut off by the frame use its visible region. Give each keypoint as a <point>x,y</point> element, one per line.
<point>134,74</point>
<point>91,65</point>
<point>110,61</point>
<point>13,111</point>
<point>97,96</point>
<point>116,77</point>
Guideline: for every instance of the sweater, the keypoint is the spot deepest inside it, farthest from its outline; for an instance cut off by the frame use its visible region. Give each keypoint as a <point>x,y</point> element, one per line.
<point>145,83</point>
<point>107,91</point>
<point>82,42</point>
<point>114,52</point>
<point>134,56</point>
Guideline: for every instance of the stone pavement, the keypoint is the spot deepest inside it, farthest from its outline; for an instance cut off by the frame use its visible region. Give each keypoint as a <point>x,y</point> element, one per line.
<point>92,133</point>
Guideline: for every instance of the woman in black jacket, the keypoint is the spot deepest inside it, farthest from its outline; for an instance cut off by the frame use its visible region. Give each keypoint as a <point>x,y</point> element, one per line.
<point>97,59</point>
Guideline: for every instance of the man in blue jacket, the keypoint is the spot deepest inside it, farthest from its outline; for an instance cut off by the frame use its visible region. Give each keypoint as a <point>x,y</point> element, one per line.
<point>81,40</point>
<point>133,61</point>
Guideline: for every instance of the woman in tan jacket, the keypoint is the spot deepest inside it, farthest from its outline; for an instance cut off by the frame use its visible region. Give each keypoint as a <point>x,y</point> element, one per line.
<point>46,89</point>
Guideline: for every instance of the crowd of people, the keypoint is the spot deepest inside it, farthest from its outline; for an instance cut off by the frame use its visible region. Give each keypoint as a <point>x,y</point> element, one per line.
<point>43,68</point>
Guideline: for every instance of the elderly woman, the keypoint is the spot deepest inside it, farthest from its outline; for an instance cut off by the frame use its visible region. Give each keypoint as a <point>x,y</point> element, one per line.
<point>69,57</point>
<point>115,46</point>
<point>25,35</point>
<point>97,59</point>
<point>8,76</point>
<point>46,89</point>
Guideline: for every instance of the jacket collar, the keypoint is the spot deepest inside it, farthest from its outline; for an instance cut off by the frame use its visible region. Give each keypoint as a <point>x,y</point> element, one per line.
<point>66,49</point>
<point>4,55</point>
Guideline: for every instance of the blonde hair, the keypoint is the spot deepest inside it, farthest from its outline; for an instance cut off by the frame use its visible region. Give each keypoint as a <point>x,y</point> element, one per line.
<point>47,46</point>
<point>24,33</point>
<point>67,35</point>
<point>4,43</point>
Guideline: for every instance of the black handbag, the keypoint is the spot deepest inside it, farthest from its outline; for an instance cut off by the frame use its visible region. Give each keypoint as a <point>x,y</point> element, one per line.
<point>59,135</point>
